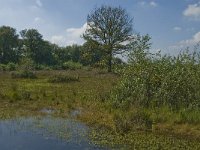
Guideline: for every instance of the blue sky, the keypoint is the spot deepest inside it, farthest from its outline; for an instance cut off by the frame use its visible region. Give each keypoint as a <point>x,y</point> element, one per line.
<point>172,24</point>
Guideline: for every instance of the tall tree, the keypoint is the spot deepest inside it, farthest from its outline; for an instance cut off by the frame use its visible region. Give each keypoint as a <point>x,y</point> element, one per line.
<point>8,45</point>
<point>109,28</point>
<point>36,48</point>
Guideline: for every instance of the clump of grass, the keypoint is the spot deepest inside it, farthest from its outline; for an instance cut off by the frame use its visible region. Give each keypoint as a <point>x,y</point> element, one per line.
<point>132,121</point>
<point>63,79</point>
<point>18,95</point>
<point>24,74</point>
<point>15,97</point>
<point>189,116</point>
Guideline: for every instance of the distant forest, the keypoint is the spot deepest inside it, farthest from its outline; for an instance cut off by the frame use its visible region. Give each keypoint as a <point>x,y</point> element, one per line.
<point>29,44</point>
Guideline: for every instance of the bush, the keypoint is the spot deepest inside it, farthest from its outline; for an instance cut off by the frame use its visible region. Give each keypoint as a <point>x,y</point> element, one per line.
<point>8,67</point>
<point>57,67</point>
<point>62,79</point>
<point>11,67</point>
<point>3,67</point>
<point>71,65</point>
<point>27,64</point>
<point>42,67</point>
<point>152,81</point>
<point>24,74</point>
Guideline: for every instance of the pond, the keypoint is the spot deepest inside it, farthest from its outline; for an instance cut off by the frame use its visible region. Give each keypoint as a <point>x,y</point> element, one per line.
<point>40,133</point>
<point>50,133</point>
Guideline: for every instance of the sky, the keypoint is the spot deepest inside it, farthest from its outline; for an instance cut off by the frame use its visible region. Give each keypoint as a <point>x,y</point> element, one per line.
<point>172,24</point>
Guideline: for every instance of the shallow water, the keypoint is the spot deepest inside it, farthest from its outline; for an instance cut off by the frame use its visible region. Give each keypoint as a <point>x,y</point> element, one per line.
<point>50,133</point>
<point>44,133</point>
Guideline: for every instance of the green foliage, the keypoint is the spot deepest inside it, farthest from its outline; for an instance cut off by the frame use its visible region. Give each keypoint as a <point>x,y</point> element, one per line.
<point>3,67</point>
<point>45,55</point>
<point>11,66</point>
<point>71,65</point>
<point>24,74</point>
<point>42,67</point>
<point>8,67</point>
<point>36,48</point>
<point>109,27</point>
<point>26,64</point>
<point>151,80</point>
<point>9,48</point>
<point>190,116</point>
<point>62,78</point>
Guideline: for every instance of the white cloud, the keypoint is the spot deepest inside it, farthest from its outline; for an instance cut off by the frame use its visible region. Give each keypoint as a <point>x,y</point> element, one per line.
<point>58,39</point>
<point>193,11</point>
<point>70,37</point>
<point>177,28</point>
<point>62,40</point>
<point>148,4</point>
<point>76,32</point>
<point>153,4</point>
<point>194,40</point>
<point>187,43</point>
<point>39,3</point>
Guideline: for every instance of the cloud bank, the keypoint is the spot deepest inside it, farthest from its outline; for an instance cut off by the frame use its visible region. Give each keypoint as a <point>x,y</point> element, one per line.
<point>71,36</point>
<point>193,11</point>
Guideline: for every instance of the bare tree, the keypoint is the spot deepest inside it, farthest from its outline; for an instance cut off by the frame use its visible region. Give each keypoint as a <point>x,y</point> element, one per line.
<point>110,28</point>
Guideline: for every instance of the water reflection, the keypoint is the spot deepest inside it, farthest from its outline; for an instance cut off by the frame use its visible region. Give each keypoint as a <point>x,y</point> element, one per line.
<point>44,133</point>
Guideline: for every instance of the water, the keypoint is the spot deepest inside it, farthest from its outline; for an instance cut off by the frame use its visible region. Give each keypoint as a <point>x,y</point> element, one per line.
<point>44,133</point>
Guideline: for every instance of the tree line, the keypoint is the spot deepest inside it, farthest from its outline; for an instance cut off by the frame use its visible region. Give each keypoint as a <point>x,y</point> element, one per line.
<point>30,44</point>
<point>109,30</point>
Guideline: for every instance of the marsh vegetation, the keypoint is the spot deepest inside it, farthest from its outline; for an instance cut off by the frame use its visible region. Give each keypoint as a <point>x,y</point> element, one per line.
<point>151,101</point>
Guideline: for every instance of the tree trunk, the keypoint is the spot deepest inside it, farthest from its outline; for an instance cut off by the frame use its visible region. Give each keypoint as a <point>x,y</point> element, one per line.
<point>110,63</point>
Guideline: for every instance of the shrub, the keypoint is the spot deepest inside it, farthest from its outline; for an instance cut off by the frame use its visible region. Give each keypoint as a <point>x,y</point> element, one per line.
<point>57,67</point>
<point>151,80</point>
<point>27,64</point>
<point>24,74</point>
<point>11,67</point>
<point>71,65</point>
<point>62,78</point>
<point>42,67</point>
<point>8,67</point>
<point>2,67</point>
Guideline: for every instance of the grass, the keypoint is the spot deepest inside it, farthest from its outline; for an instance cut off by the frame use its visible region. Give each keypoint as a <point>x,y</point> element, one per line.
<point>24,74</point>
<point>63,79</point>
<point>157,128</point>
<point>27,95</point>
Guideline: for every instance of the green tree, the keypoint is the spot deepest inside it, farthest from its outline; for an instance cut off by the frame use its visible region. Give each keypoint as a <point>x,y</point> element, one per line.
<point>9,50</point>
<point>109,28</point>
<point>90,55</point>
<point>36,48</point>
<point>74,52</point>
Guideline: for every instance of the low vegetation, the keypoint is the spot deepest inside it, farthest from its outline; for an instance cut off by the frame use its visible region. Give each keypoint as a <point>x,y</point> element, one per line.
<point>63,78</point>
<point>24,74</point>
